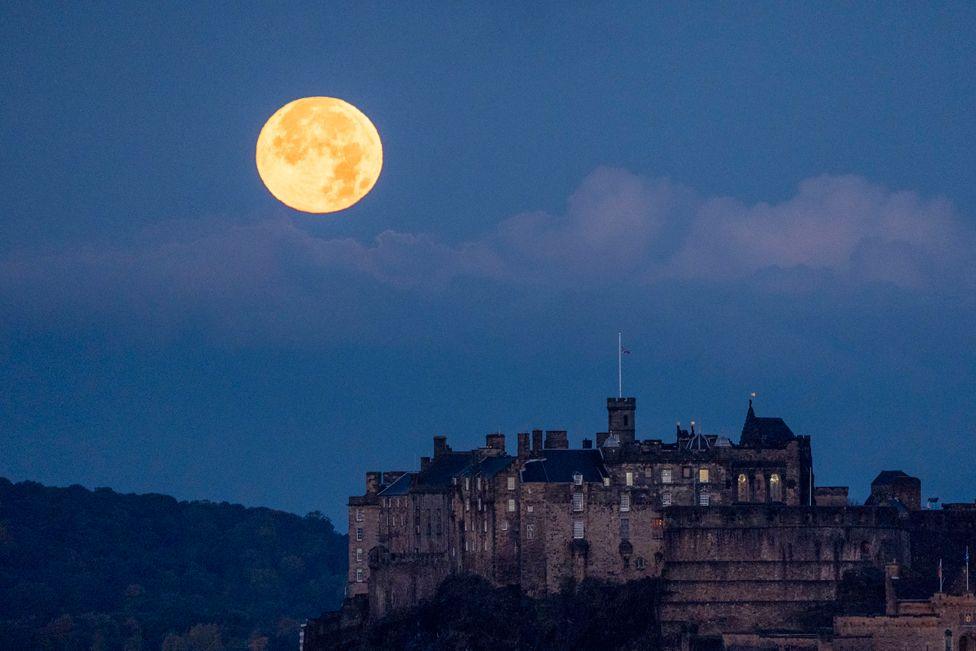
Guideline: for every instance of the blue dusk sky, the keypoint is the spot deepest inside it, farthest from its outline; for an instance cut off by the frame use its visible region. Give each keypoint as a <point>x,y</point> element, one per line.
<point>772,197</point>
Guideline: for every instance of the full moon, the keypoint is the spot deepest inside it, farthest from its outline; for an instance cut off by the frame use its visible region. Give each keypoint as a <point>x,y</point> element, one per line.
<point>319,154</point>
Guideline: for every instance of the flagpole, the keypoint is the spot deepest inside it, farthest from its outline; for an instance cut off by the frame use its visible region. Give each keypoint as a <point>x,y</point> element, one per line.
<point>940,575</point>
<point>967,568</point>
<point>620,365</point>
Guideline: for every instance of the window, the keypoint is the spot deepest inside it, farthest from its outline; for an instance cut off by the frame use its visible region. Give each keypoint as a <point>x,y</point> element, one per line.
<point>626,420</point>
<point>485,545</point>
<point>511,483</point>
<point>666,498</point>
<point>478,483</point>
<point>629,478</point>
<point>481,506</point>
<point>624,502</point>
<point>686,472</point>
<point>467,483</point>
<point>359,554</point>
<point>577,502</point>
<point>624,529</point>
<point>484,525</point>
<point>640,563</point>
<point>511,506</point>
<point>578,478</point>
<point>577,530</point>
<point>359,575</point>
<point>530,530</point>
<point>530,508</point>
<point>359,515</point>
<point>359,533</point>
<point>743,492</point>
<point>703,475</point>
<point>775,488</point>
<point>666,477</point>
<point>467,505</point>
<point>657,528</point>
<point>504,525</point>
<point>606,481</point>
<point>703,499</point>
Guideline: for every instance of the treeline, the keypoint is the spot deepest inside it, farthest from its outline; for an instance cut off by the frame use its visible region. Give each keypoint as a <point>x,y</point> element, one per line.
<point>468,613</point>
<point>84,569</point>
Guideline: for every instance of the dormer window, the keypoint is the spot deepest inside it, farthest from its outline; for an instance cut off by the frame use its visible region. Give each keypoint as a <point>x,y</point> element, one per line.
<point>578,478</point>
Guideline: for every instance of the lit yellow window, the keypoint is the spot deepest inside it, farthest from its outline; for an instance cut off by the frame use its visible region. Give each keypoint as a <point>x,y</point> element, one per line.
<point>703,475</point>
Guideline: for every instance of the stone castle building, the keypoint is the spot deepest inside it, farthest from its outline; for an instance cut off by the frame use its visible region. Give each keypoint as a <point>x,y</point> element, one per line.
<point>746,544</point>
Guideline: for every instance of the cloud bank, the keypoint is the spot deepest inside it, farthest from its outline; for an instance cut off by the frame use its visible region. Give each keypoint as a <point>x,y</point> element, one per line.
<point>618,230</point>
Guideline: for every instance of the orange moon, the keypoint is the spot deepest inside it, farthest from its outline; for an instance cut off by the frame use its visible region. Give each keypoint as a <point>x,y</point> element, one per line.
<point>319,154</point>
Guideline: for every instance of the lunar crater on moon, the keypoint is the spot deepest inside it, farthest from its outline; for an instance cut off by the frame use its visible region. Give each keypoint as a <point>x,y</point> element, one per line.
<point>319,154</point>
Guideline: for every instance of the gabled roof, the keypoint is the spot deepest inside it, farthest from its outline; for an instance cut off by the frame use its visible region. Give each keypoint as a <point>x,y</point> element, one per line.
<point>765,432</point>
<point>400,487</point>
<point>443,469</point>
<point>559,466</point>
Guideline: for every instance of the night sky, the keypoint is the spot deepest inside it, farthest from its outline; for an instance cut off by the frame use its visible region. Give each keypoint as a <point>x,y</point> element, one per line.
<point>763,197</point>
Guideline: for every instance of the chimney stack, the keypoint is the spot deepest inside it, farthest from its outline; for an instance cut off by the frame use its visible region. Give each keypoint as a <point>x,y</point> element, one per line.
<point>373,482</point>
<point>440,446</point>
<point>536,441</point>
<point>523,445</point>
<point>557,439</point>
<point>495,441</point>
<point>424,463</point>
<point>587,444</point>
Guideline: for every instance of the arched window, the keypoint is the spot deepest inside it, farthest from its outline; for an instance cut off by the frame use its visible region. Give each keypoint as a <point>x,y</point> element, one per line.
<point>775,488</point>
<point>743,488</point>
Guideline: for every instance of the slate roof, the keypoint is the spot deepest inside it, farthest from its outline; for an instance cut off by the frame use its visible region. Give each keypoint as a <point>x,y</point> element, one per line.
<point>488,467</point>
<point>442,470</point>
<point>559,466</point>
<point>400,487</point>
<point>765,432</point>
<point>890,477</point>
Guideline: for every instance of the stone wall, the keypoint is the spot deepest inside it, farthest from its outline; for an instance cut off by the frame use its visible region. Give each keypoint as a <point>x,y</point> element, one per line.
<point>736,568</point>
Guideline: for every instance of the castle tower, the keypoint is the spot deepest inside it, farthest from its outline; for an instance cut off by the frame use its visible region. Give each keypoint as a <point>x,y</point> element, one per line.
<point>620,412</point>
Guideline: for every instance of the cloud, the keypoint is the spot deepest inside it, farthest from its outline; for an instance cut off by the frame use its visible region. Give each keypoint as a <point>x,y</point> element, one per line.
<point>618,230</point>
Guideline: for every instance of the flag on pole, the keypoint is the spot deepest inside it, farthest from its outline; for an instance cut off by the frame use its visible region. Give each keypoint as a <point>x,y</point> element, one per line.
<point>624,351</point>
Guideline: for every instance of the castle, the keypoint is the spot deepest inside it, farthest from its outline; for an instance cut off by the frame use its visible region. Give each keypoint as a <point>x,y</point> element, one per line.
<point>749,549</point>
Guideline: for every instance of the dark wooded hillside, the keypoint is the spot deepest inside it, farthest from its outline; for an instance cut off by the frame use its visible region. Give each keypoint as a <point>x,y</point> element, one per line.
<point>84,569</point>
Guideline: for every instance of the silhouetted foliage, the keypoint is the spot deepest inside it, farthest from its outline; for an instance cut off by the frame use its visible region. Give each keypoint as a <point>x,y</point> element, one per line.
<point>859,592</point>
<point>84,569</point>
<point>468,613</point>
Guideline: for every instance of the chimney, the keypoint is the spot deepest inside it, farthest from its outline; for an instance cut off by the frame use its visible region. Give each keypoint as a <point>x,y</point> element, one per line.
<point>495,441</point>
<point>523,445</point>
<point>373,482</point>
<point>557,439</point>
<point>537,440</point>
<point>424,463</point>
<point>587,444</point>
<point>440,446</point>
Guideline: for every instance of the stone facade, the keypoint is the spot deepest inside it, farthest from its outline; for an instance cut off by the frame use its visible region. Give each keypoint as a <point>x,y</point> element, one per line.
<point>739,533</point>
